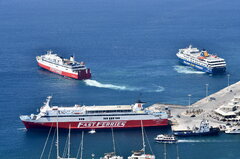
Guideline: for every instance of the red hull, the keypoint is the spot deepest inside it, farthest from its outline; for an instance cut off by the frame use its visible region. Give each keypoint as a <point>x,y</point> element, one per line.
<point>82,74</point>
<point>99,124</point>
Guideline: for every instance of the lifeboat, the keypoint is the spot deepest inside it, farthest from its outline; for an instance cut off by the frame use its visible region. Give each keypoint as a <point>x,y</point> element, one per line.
<point>201,57</point>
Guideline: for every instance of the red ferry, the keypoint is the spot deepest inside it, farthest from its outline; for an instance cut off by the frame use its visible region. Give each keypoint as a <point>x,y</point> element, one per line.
<point>94,117</point>
<point>65,67</point>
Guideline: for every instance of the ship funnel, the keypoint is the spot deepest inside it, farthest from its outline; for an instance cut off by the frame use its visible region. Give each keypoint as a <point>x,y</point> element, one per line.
<point>72,58</point>
<point>49,52</point>
<point>138,106</point>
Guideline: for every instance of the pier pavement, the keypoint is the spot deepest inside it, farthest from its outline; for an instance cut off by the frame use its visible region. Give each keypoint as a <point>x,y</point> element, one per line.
<point>185,117</point>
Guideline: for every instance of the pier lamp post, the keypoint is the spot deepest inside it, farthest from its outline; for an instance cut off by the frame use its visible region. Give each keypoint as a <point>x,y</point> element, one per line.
<point>189,100</point>
<point>228,75</point>
<point>206,90</point>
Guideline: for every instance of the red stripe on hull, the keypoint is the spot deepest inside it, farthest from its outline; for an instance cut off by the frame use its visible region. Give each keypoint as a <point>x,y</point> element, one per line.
<point>99,124</point>
<point>82,74</point>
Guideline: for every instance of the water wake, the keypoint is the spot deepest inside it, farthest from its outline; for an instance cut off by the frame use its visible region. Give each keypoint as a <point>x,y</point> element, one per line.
<point>95,83</point>
<point>186,70</point>
<point>200,141</point>
<point>158,89</point>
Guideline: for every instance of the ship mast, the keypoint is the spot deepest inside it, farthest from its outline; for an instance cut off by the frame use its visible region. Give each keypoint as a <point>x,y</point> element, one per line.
<point>57,139</point>
<point>48,101</point>
<point>69,141</point>
<point>82,146</point>
<point>114,148</point>
<point>143,138</point>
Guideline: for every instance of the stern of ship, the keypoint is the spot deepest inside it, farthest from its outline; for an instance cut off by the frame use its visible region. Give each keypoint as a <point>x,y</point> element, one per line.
<point>84,74</point>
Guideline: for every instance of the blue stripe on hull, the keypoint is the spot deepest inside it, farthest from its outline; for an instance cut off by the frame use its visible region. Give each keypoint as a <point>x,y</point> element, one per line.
<point>193,65</point>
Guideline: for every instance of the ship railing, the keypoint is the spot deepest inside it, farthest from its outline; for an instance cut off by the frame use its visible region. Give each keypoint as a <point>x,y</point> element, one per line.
<point>213,66</point>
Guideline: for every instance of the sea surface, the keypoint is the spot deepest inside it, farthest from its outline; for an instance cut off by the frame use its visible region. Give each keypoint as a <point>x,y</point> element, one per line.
<point>130,46</point>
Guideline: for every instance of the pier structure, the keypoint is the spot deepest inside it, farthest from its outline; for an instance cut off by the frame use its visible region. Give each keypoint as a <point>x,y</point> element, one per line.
<point>186,117</point>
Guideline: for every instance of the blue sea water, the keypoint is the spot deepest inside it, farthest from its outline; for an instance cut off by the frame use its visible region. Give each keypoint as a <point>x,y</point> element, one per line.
<point>130,46</point>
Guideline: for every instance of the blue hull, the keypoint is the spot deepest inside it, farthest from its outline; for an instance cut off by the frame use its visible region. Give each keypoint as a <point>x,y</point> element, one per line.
<point>202,68</point>
<point>212,132</point>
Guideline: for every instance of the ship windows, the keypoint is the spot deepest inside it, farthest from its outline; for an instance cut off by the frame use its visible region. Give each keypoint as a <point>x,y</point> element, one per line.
<point>108,111</point>
<point>111,118</point>
<point>81,118</point>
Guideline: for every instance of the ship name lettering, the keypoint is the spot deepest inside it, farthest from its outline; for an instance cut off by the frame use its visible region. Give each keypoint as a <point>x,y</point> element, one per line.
<point>101,124</point>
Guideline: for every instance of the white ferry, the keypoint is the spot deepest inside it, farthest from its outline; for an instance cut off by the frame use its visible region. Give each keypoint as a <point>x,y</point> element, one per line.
<point>94,117</point>
<point>65,67</point>
<point>201,60</point>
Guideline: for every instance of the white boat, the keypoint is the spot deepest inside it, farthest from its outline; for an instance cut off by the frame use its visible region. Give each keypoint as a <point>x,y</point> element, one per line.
<point>141,154</point>
<point>233,130</point>
<point>112,155</point>
<point>166,138</point>
<point>93,131</point>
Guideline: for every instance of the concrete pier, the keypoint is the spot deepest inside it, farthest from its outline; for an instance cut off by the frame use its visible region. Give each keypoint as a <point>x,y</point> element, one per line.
<point>185,117</point>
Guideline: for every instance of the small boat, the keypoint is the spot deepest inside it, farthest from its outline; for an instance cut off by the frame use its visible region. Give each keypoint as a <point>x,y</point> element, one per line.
<point>112,155</point>
<point>93,131</point>
<point>166,138</point>
<point>141,154</point>
<point>233,130</point>
<point>203,130</point>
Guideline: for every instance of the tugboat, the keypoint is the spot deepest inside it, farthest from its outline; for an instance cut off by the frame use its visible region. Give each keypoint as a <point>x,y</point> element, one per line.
<point>166,139</point>
<point>203,130</point>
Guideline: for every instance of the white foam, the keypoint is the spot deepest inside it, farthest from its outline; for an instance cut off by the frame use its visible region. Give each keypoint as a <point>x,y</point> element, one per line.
<point>22,129</point>
<point>200,141</point>
<point>95,83</point>
<point>158,89</point>
<point>186,70</point>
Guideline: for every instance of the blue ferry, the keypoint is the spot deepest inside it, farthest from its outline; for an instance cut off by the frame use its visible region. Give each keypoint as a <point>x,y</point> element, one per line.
<point>203,130</point>
<point>201,60</point>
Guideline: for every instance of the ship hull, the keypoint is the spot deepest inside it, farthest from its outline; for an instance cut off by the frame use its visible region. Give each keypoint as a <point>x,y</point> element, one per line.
<point>202,68</point>
<point>81,75</point>
<point>98,124</point>
<point>212,132</point>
